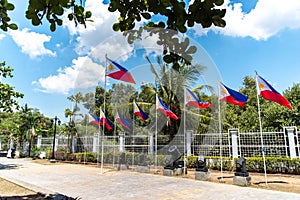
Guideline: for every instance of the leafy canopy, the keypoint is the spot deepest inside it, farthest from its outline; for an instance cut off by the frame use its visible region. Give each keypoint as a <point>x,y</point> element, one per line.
<point>7,93</point>
<point>160,17</point>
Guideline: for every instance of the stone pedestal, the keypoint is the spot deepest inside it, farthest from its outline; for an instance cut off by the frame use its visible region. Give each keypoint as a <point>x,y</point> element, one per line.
<point>242,181</point>
<point>178,171</point>
<point>122,167</point>
<point>173,172</point>
<point>168,172</point>
<point>202,176</point>
<point>143,169</point>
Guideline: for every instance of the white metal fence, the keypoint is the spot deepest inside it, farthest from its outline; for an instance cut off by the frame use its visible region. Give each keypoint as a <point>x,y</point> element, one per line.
<point>283,143</point>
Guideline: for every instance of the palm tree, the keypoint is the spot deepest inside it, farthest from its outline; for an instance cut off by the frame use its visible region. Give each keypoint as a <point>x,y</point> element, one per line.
<point>30,120</point>
<point>76,99</point>
<point>170,87</point>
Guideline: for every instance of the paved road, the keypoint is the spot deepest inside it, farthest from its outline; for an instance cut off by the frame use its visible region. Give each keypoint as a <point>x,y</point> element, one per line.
<point>87,182</point>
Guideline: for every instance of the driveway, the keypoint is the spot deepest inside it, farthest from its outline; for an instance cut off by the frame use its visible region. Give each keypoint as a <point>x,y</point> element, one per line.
<point>88,183</point>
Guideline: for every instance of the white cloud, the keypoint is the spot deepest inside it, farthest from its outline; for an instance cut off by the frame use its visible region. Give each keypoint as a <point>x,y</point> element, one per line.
<point>2,36</point>
<point>98,38</point>
<point>267,19</point>
<point>31,43</point>
<point>83,74</point>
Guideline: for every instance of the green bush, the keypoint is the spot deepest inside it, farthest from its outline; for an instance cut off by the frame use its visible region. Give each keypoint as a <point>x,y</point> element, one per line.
<point>254,164</point>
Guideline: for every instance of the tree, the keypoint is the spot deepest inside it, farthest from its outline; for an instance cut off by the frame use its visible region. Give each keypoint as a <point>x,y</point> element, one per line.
<point>160,17</point>
<point>170,88</point>
<point>7,93</point>
<point>52,10</point>
<point>175,16</point>
<point>32,123</point>
<point>274,116</point>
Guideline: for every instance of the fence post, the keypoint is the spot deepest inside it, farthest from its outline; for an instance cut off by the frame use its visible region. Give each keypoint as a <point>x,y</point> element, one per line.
<point>95,143</point>
<point>234,142</point>
<point>189,142</point>
<point>121,142</point>
<point>74,142</point>
<point>39,141</point>
<point>291,138</point>
<point>11,143</point>
<point>0,144</point>
<point>151,144</point>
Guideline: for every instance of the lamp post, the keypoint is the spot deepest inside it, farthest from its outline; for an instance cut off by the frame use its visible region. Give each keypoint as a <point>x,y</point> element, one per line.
<point>55,120</point>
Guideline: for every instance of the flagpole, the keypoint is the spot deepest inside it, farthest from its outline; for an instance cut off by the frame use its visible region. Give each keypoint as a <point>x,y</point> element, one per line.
<point>115,130</point>
<point>156,133</point>
<point>86,123</point>
<point>104,122</point>
<point>184,132</point>
<point>133,124</point>
<point>260,128</point>
<point>220,133</point>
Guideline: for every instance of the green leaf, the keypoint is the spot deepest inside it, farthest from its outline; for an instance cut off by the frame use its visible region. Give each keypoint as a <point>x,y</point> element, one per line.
<point>53,27</point>
<point>218,21</point>
<point>59,22</point>
<point>146,15</point>
<point>182,29</point>
<point>9,6</point>
<point>13,26</point>
<point>116,27</point>
<point>88,14</point>
<point>191,50</point>
<point>35,21</point>
<point>168,58</point>
<point>70,16</point>
<point>58,10</point>
<point>219,2</point>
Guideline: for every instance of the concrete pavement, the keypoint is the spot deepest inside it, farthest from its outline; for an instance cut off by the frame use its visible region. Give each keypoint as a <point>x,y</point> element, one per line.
<point>87,182</point>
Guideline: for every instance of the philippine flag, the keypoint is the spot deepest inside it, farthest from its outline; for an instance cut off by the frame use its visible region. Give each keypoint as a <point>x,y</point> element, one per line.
<point>231,96</point>
<point>95,120</point>
<point>122,121</point>
<point>104,120</point>
<point>161,107</point>
<point>118,72</point>
<point>139,112</point>
<point>191,99</point>
<point>268,92</point>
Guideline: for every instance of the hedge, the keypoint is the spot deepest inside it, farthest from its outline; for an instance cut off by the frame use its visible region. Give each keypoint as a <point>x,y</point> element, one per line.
<point>254,164</point>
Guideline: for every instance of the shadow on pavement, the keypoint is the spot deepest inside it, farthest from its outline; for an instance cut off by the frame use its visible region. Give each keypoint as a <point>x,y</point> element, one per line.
<point>9,166</point>
<point>40,196</point>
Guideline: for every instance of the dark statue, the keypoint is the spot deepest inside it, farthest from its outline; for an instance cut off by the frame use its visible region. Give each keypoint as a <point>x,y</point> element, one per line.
<point>142,160</point>
<point>241,169</point>
<point>122,161</point>
<point>173,161</point>
<point>201,164</point>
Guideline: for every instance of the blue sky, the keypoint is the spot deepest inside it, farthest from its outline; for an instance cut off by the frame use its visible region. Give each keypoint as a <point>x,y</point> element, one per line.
<point>260,35</point>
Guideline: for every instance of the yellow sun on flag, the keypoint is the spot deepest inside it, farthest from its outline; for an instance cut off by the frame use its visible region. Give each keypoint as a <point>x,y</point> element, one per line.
<point>111,67</point>
<point>261,86</point>
<point>224,91</point>
<point>158,104</point>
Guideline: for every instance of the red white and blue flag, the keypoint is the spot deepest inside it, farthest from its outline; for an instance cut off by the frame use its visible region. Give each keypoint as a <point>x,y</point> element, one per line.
<point>95,120</point>
<point>231,96</point>
<point>268,92</point>
<point>104,120</point>
<point>123,121</point>
<point>191,99</point>
<point>116,71</point>
<point>139,112</point>
<point>161,107</point>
